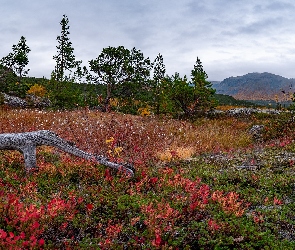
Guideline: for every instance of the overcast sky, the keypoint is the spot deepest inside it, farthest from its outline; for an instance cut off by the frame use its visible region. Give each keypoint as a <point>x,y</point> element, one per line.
<point>231,37</point>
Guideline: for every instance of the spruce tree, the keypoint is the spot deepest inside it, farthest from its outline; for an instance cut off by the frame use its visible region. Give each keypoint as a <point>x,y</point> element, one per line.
<point>157,84</point>
<point>65,58</point>
<point>203,91</point>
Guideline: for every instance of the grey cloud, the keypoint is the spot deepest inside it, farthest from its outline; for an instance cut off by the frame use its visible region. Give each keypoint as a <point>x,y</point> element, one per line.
<point>230,37</point>
<point>280,5</point>
<point>257,27</point>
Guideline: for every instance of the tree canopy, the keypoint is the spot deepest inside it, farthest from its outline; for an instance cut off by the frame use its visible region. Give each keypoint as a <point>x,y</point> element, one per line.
<point>121,70</point>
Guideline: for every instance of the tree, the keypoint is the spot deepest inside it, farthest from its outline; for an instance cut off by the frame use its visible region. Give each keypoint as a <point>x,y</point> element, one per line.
<point>203,91</point>
<point>124,72</point>
<point>7,79</point>
<point>83,77</point>
<point>17,60</point>
<point>189,99</point>
<point>159,71</point>
<point>182,95</point>
<point>136,86</point>
<point>65,58</point>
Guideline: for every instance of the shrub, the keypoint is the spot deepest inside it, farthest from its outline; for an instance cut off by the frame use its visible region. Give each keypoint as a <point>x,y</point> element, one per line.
<point>1,99</point>
<point>37,90</point>
<point>280,126</point>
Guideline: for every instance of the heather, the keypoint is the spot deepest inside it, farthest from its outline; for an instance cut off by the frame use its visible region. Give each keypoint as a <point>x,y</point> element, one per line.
<point>205,184</point>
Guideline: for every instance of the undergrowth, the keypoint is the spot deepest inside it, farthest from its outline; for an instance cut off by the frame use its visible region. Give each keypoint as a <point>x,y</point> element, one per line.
<point>182,196</point>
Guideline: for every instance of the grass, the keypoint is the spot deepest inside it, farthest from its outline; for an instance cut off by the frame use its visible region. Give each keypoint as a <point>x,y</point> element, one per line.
<point>187,193</point>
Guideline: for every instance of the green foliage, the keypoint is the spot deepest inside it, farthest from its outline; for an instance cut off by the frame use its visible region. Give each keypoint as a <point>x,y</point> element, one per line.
<point>17,60</point>
<point>19,89</point>
<point>229,100</point>
<point>7,79</point>
<point>280,126</point>
<point>162,102</point>
<point>158,86</point>
<point>179,97</point>
<point>124,72</point>
<point>182,95</point>
<point>65,58</point>
<point>1,99</point>
<point>121,75</point>
<point>292,105</point>
<point>69,95</point>
<point>203,92</point>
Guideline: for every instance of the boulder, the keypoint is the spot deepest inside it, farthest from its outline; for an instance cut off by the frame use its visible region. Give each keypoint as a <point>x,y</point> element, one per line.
<point>38,102</point>
<point>30,101</point>
<point>241,111</point>
<point>257,132</point>
<point>14,101</point>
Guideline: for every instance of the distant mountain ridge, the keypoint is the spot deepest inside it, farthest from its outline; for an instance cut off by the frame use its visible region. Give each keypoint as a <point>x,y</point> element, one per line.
<point>257,86</point>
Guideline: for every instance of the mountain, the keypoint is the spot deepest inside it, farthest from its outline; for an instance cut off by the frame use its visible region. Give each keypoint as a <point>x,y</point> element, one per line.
<point>215,83</point>
<point>257,86</point>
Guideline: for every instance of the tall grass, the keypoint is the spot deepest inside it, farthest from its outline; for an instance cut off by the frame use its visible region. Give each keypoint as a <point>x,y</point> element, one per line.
<point>151,136</point>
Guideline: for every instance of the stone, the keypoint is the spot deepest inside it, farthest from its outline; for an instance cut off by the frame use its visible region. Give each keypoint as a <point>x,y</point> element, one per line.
<point>38,102</point>
<point>14,101</point>
<point>257,132</point>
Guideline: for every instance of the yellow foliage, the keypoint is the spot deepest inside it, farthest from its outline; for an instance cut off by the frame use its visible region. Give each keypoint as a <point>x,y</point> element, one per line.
<point>144,111</point>
<point>111,139</point>
<point>114,102</point>
<point>113,151</point>
<point>37,90</point>
<point>118,150</point>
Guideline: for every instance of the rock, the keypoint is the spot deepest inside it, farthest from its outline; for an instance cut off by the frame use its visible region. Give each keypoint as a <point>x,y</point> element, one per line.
<point>14,101</point>
<point>248,167</point>
<point>241,111</point>
<point>257,132</point>
<point>269,111</point>
<point>215,113</point>
<point>250,111</point>
<point>38,102</point>
<point>31,101</point>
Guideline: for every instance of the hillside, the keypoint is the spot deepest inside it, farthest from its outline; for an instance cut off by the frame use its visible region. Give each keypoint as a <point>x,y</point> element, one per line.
<point>229,100</point>
<point>257,86</point>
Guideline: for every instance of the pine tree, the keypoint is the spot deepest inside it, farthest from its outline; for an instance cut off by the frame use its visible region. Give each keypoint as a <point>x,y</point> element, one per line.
<point>203,91</point>
<point>17,60</point>
<point>65,58</point>
<point>125,73</point>
<point>190,99</point>
<point>158,85</point>
<point>159,68</point>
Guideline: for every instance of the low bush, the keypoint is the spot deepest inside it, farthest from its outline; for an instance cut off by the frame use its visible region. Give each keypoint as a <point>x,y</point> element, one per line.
<point>187,192</point>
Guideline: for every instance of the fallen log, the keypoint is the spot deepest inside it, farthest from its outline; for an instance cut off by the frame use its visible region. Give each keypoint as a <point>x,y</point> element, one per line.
<point>27,142</point>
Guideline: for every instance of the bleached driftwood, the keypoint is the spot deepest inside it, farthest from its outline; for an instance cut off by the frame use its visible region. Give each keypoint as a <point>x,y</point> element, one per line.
<point>27,142</point>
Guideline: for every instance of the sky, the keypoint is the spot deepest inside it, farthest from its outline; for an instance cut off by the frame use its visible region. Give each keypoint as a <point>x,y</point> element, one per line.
<point>230,37</point>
